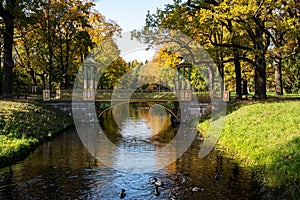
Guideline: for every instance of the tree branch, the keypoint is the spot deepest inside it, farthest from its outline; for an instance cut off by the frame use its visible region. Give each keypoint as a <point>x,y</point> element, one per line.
<point>240,58</point>
<point>230,45</point>
<point>264,30</point>
<point>208,2</point>
<point>192,5</point>
<point>21,63</point>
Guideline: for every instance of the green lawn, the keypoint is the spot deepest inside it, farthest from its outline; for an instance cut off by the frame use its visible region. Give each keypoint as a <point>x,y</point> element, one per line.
<point>264,137</point>
<point>270,95</point>
<point>24,125</point>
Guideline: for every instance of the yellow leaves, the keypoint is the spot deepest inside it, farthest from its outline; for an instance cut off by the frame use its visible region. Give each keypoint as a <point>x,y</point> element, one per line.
<point>234,9</point>
<point>99,29</point>
<point>165,57</point>
<point>75,8</point>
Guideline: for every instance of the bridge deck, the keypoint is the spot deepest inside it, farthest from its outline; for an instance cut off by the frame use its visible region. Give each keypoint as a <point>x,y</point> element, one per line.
<point>132,96</point>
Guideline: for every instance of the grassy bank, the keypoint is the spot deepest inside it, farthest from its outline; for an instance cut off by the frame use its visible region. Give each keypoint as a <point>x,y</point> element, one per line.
<point>24,125</point>
<point>264,137</point>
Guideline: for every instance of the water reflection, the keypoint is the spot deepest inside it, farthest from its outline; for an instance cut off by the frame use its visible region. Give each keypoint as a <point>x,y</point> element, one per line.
<point>142,130</point>
<point>133,139</point>
<point>64,169</point>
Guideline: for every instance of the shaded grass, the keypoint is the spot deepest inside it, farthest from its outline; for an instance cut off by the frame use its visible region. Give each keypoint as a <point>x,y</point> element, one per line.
<point>24,125</point>
<point>270,95</point>
<point>264,137</point>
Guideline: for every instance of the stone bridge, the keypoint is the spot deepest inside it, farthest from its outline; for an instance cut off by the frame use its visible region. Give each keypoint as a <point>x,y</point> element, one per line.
<point>92,103</point>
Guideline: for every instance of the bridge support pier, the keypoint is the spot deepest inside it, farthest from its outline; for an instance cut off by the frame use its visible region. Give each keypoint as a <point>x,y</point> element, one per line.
<point>191,110</point>
<point>84,110</point>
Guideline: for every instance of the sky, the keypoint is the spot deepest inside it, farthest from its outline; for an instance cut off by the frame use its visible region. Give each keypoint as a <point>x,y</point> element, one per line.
<point>130,15</point>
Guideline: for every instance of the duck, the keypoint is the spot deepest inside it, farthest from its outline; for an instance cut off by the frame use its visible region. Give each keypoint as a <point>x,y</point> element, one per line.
<point>153,180</point>
<point>183,180</point>
<point>156,191</point>
<point>197,189</point>
<point>122,194</point>
<point>177,178</point>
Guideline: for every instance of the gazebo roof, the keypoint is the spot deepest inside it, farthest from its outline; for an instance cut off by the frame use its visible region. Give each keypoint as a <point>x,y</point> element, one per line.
<point>184,63</point>
<point>89,61</point>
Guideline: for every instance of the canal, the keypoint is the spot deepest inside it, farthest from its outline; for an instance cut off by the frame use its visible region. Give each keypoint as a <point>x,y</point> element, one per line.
<point>64,169</point>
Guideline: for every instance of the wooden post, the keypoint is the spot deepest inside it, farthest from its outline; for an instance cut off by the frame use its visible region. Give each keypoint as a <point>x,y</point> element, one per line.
<point>46,95</point>
<point>226,96</point>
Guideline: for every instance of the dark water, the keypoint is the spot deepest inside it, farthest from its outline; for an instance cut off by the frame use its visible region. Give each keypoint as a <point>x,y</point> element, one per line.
<point>64,169</point>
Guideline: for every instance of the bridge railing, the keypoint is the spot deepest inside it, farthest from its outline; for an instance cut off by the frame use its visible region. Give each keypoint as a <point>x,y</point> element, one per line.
<point>203,95</point>
<point>107,95</point>
<point>24,91</point>
<point>137,94</point>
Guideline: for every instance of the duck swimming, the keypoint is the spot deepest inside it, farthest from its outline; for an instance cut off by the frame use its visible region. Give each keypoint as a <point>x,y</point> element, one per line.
<point>183,180</point>
<point>153,180</point>
<point>122,194</point>
<point>197,189</point>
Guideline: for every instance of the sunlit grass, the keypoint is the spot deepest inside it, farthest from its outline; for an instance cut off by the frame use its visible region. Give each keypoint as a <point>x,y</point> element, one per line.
<point>24,125</point>
<point>264,137</point>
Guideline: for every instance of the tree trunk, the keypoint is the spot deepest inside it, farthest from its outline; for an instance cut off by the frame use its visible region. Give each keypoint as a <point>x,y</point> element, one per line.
<point>237,64</point>
<point>238,74</point>
<point>42,76</point>
<point>278,76</point>
<point>8,61</point>
<point>260,64</point>
<point>62,82</point>
<point>1,73</point>
<point>66,76</point>
<point>221,71</point>
<point>33,77</point>
<point>260,77</point>
<point>50,66</point>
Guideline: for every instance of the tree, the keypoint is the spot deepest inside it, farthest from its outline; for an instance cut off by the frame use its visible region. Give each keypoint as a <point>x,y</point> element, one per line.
<point>285,38</point>
<point>72,19</point>
<point>113,73</point>
<point>167,59</point>
<point>291,74</point>
<point>7,12</point>
<point>216,36</point>
<point>251,18</point>
<point>251,28</point>
<point>1,52</point>
<point>197,21</point>
<point>55,41</point>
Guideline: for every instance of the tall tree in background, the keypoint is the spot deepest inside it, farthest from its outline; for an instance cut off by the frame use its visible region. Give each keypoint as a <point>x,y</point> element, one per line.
<point>7,12</point>
<point>286,39</point>
<point>197,21</point>
<point>1,52</point>
<point>250,18</point>
<point>216,35</point>
<point>72,19</point>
